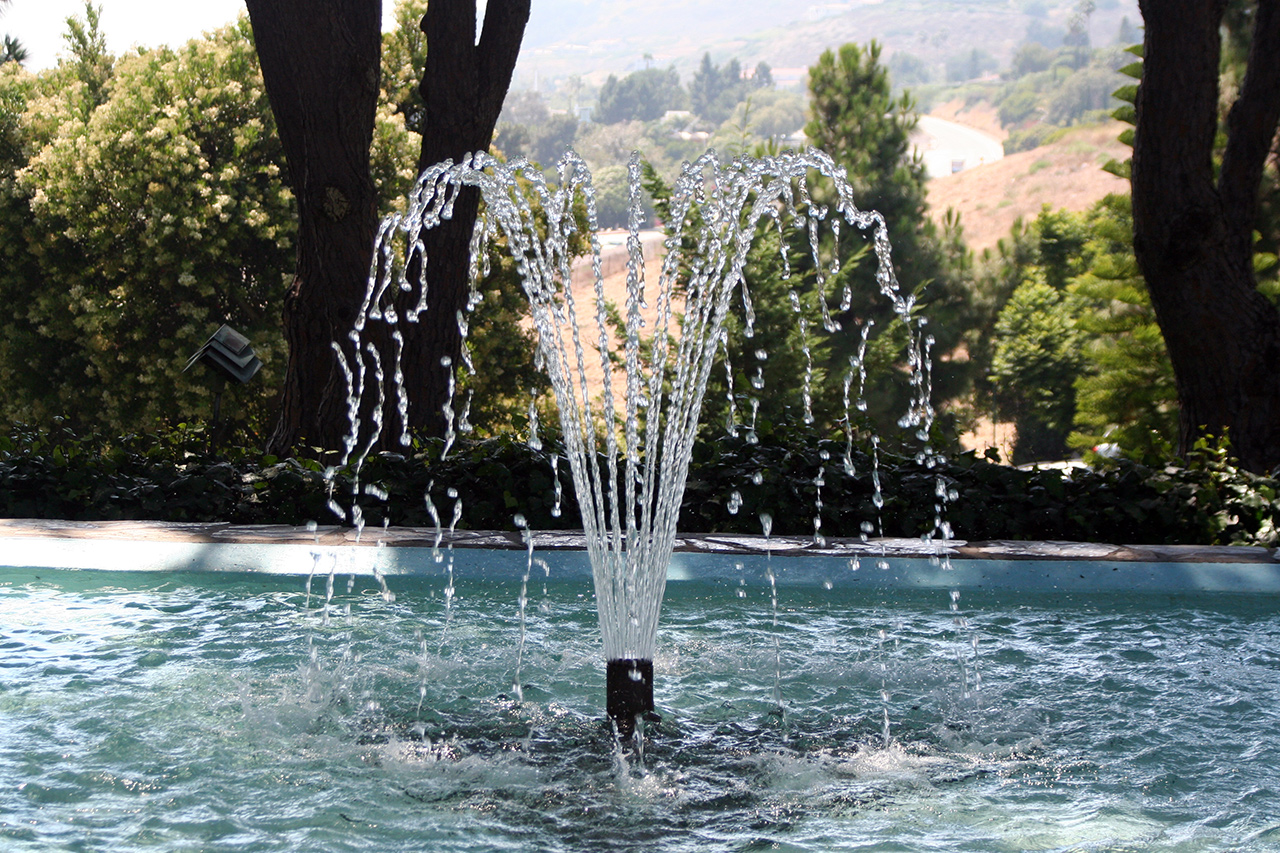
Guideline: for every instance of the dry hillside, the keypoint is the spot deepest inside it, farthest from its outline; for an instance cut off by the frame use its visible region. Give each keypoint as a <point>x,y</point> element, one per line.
<point>1064,174</point>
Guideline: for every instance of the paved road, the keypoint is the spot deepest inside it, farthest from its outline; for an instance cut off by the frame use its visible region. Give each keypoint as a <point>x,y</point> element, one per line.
<point>946,144</point>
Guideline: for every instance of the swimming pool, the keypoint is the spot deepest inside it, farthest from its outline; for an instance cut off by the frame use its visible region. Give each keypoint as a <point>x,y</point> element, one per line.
<point>233,710</point>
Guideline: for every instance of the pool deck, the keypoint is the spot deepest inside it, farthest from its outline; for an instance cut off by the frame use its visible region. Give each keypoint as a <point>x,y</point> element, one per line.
<point>221,533</point>
<point>281,549</point>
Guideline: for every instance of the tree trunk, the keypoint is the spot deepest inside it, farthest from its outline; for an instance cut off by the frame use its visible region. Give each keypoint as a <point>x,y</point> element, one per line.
<point>320,65</point>
<point>1193,231</point>
<point>463,86</point>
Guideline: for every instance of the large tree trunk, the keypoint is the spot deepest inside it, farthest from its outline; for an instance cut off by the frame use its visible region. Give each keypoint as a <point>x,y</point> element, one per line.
<point>320,65</point>
<point>1193,231</point>
<point>463,86</point>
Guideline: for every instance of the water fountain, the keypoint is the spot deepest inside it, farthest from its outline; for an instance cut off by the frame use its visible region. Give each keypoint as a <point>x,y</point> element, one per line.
<point>629,458</point>
<point>176,693</point>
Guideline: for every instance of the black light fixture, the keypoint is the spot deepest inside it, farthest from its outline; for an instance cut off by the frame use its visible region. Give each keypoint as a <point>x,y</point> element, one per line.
<point>230,356</point>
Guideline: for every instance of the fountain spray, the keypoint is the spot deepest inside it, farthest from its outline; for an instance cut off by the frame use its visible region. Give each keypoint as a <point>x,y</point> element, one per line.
<point>628,448</point>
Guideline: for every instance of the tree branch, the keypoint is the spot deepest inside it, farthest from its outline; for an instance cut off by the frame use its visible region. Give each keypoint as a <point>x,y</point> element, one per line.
<point>1251,124</point>
<point>1177,121</point>
<point>504,23</point>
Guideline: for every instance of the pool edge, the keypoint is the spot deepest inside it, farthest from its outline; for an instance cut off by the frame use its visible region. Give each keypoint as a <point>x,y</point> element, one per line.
<point>888,563</point>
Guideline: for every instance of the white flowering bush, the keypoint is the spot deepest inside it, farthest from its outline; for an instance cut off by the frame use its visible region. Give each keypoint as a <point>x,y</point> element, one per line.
<point>149,221</point>
<point>143,203</point>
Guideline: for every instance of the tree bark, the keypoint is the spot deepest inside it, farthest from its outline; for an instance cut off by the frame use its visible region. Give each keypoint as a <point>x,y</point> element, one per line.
<point>1193,229</point>
<point>320,65</point>
<point>463,86</point>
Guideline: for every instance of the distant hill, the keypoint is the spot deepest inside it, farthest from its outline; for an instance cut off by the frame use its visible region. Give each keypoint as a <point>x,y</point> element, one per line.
<point>1064,174</point>
<point>594,38</point>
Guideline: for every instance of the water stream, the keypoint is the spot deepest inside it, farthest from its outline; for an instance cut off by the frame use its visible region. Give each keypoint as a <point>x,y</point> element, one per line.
<point>629,453</point>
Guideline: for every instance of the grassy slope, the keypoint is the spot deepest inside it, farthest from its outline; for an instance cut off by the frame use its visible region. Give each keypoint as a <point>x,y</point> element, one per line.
<point>1064,174</point>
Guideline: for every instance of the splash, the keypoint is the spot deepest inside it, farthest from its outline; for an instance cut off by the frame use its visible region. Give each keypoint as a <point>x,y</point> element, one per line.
<point>630,439</point>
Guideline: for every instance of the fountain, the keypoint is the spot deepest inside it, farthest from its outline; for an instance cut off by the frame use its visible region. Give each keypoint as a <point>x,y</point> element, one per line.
<point>628,458</point>
<point>219,710</point>
<point>164,687</point>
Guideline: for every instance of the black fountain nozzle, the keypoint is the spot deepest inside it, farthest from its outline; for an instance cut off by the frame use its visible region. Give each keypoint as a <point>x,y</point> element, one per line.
<point>628,692</point>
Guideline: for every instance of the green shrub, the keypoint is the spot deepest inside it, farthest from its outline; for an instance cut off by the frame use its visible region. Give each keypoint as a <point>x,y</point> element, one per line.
<point>1203,500</point>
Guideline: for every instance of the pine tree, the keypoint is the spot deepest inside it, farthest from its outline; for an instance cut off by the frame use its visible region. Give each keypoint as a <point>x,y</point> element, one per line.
<point>856,119</point>
<point>1038,356</point>
<point>1126,395</point>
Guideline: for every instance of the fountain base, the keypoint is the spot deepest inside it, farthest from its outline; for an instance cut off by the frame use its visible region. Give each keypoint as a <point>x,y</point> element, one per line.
<point>628,692</point>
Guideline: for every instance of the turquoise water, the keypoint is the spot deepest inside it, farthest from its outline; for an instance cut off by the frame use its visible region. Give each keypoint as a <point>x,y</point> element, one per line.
<point>200,712</point>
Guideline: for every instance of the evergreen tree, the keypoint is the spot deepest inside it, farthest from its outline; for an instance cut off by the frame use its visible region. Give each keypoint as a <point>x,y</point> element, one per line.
<point>1126,394</point>
<point>1038,356</point>
<point>92,62</point>
<point>642,95</point>
<point>855,118</point>
<point>714,90</point>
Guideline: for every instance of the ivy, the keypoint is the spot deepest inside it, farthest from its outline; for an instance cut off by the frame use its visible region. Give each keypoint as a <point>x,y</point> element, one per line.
<point>1205,499</point>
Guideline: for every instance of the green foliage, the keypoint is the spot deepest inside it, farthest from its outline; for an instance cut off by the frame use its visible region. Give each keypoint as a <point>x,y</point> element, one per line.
<point>765,115</point>
<point>149,221</point>
<point>404,55</point>
<point>855,118</point>
<point>613,196</point>
<point>907,69</point>
<point>91,63</point>
<point>1030,58</point>
<point>528,129</point>
<point>172,476</point>
<point>643,95</point>
<point>1094,349</point>
<point>1082,97</point>
<point>1127,396</point>
<point>1018,106</point>
<point>715,90</point>
<point>1062,239</point>
<point>16,88</point>
<point>1036,361</point>
<point>999,272</point>
<point>970,65</point>
<point>142,206</point>
<point>758,384</point>
<point>501,346</point>
<point>1031,137</point>
<point>1047,90</point>
<point>1203,500</point>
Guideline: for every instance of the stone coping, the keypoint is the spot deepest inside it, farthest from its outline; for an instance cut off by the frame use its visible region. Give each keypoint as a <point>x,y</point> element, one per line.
<point>200,533</point>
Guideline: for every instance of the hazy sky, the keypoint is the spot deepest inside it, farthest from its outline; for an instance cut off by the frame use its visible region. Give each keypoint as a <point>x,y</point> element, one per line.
<point>40,24</point>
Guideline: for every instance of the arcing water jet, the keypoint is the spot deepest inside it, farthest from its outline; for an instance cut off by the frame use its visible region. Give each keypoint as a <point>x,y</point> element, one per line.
<point>629,457</point>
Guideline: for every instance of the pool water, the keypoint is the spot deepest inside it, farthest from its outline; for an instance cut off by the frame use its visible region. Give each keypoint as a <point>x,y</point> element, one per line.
<point>209,712</point>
